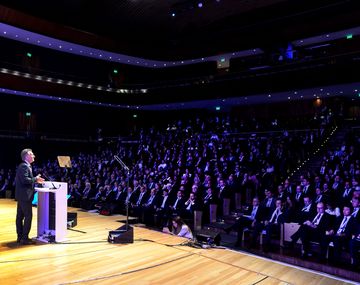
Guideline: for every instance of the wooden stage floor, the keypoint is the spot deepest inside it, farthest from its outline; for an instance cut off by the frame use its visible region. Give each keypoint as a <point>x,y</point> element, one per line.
<point>154,258</point>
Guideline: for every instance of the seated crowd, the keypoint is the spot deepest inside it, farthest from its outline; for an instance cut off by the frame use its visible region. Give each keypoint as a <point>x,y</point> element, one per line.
<point>192,166</point>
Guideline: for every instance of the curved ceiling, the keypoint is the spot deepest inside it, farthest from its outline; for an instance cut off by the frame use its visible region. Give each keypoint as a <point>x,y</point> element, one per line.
<point>180,29</point>
<point>176,30</point>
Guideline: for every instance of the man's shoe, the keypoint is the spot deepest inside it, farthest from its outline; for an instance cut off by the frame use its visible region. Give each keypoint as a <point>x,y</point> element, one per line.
<point>27,241</point>
<point>18,239</point>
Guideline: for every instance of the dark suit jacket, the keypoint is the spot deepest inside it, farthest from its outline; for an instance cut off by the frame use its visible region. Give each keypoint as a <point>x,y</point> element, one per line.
<point>24,183</point>
<point>260,213</point>
<point>350,226</point>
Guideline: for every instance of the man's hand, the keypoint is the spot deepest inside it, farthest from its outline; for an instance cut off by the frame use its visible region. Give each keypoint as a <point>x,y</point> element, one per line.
<point>39,179</point>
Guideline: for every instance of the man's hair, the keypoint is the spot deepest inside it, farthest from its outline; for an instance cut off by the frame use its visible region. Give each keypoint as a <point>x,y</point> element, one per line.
<point>25,152</point>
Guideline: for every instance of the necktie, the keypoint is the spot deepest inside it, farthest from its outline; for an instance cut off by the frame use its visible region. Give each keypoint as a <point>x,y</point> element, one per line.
<point>268,204</point>
<point>274,216</point>
<point>317,219</point>
<point>343,225</point>
<point>177,200</point>
<point>139,200</point>
<point>318,199</point>
<point>253,213</point>
<point>150,200</point>
<point>355,212</point>
<point>163,203</point>
<point>306,208</point>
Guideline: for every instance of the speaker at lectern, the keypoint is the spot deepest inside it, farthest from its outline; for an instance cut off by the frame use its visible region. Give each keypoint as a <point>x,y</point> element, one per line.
<point>52,211</point>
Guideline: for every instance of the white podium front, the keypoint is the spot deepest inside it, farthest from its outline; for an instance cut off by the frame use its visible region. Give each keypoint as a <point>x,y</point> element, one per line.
<point>52,212</point>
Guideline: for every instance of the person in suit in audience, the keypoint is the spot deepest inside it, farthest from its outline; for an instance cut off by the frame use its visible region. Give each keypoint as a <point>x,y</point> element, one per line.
<point>298,198</point>
<point>340,234</point>
<point>87,196</point>
<point>308,190</point>
<point>269,203</point>
<point>255,214</point>
<point>209,199</point>
<point>223,192</point>
<point>272,225</point>
<point>190,206</point>
<point>355,202</point>
<point>288,188</point>
<point>355,247</point>
<point>289,211</point>
<point>24,194</point>
<point>281,193</point>
<point>312,229</point>
<point>345,195</point>
<point>149,207</point>
<point>307,211</point>
<point>177,206</point>
<point>137,206</point>
<point>162,208</point>
<point>319,197</point>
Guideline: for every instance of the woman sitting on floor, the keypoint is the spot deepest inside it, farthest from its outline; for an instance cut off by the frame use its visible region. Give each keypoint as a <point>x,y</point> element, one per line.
<point>179,228</point>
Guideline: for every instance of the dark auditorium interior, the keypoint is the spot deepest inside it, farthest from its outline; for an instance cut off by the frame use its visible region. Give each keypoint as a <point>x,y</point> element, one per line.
<point>231,105</point>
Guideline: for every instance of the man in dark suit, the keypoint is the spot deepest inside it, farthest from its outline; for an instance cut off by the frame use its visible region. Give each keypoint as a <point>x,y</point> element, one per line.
<point>254,215</point>
<point>24,194</point>
<point>312,229</point>
<point>340,234</point>
<point>355,247</point>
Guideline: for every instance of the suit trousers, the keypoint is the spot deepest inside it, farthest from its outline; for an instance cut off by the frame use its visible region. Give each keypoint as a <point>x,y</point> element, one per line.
<point>23,219</point>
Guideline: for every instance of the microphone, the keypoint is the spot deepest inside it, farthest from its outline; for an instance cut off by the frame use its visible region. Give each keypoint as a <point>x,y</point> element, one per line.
<point>50,180</point>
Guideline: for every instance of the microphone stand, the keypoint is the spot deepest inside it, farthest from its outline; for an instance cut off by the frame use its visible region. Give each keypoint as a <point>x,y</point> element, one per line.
<point>123,165</point>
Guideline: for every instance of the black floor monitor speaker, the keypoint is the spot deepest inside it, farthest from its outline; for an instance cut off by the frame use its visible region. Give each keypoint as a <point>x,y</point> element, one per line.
<point>208,237</point>
<point>122,235</point>
<point>71,219</point>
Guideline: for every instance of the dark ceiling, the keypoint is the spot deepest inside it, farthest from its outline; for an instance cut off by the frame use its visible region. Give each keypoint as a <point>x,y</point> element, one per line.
<point>146,28</point>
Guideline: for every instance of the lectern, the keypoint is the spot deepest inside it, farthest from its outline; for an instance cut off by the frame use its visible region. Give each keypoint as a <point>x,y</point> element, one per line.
<point>52,211</point>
